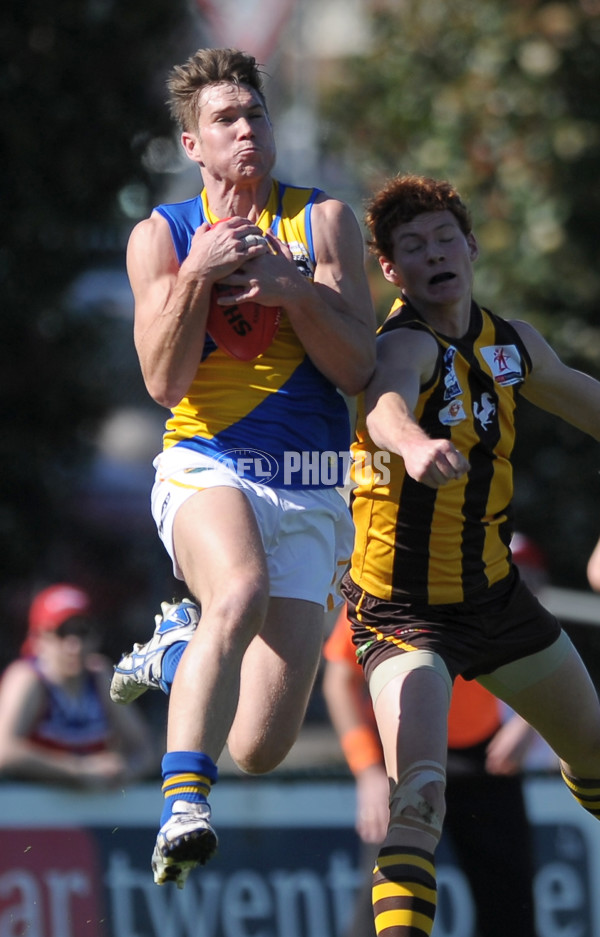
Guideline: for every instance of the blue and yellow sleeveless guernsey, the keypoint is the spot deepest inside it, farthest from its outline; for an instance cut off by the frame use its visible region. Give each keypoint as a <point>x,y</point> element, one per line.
<point>440,545</point>
<point>278,409</point>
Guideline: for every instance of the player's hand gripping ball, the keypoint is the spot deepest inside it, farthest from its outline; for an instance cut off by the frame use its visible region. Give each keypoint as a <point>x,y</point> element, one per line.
<point>242,330</point>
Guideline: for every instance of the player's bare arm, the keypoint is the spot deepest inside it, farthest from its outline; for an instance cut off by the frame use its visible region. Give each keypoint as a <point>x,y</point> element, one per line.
<point>172,301</point>
<point>22,697</point>
<point>557,388</point>
<point>405,360</point>
<point>334,317</point>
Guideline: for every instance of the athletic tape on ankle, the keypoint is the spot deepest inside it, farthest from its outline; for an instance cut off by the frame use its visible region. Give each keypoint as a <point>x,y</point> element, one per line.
<point>385,672</point>
<point>407,794</point>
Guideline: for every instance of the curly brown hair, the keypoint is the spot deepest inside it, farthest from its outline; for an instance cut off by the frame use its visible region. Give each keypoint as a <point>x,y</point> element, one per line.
<point>401,199</point>
<point>208,67</point>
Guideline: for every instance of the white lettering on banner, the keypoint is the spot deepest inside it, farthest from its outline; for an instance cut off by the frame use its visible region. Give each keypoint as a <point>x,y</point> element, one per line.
<point>559,901</point>
<point>61,886</point>
<point>232,905</point>
<point>344,879</point>
<point>291,913</point>
<point>172,913</point>
<point>276,877</point>
<point>279,904</point>
<point>121,881</point>
<point>455,916</point>
<point>24,916</point>
<point>246,902</point>
<point>249,903</point>
<point>296,903</point>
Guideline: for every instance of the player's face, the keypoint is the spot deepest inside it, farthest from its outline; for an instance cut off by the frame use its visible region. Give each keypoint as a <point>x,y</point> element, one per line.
<point>433,260</point>
<point>235,136</point>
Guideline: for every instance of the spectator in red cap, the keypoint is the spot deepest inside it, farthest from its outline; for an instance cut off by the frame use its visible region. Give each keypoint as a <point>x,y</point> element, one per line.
<point>57,722</point>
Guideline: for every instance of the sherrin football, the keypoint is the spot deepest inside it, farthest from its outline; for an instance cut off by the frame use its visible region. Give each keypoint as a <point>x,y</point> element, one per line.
<point>242,330</point>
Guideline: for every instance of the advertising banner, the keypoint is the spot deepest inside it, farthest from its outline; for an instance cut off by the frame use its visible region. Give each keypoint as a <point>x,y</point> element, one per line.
<point>78,865</point>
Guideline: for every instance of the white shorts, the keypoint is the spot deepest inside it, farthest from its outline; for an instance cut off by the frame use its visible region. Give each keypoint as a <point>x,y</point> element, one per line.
<point>307,534</point>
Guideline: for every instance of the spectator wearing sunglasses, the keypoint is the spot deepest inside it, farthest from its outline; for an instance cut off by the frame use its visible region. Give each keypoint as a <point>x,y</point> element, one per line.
<point>57,722</point>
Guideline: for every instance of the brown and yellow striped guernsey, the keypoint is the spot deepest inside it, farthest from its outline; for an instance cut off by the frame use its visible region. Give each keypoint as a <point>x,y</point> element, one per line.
<point>442,544</point>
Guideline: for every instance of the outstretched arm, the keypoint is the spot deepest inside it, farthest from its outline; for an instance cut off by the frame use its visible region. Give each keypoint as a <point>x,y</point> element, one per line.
<point>404,361</point>
<point>553,386</point>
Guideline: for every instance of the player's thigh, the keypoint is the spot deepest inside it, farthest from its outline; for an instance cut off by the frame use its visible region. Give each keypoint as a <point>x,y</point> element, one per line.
<point>279,669</point>
<point>412,716</point>
<point>218,544</point>
<point>565,710</point>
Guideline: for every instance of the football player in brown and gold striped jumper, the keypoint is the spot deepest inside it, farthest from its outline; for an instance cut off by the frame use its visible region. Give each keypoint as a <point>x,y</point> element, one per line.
<point>432,590</point>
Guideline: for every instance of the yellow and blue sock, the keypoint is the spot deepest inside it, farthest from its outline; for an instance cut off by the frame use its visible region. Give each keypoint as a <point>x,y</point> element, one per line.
<point>186,776</point>
<point>170,660</point>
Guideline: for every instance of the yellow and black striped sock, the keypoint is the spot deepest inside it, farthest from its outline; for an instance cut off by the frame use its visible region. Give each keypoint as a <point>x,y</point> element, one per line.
<point>404,892</point>
<point>586,792</point>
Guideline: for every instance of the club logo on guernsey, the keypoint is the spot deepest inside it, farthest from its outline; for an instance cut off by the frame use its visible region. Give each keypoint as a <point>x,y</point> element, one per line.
<point>302,259</point>
<point>452,387</point>
<point>504,361</point>
<point>485,410</point>
<point>452,414</point>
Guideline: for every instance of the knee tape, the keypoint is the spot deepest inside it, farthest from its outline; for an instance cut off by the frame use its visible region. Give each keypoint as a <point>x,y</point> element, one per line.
<point>510,679</point>
<point>392,667</point>
<point>408,807</point>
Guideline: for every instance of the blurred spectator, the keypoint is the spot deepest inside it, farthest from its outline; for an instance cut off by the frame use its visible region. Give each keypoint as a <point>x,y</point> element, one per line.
<point>531,561</point>
<point>57,722</point>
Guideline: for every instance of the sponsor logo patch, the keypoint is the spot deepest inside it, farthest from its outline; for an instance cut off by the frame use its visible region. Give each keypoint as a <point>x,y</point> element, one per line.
<point>504,361</point>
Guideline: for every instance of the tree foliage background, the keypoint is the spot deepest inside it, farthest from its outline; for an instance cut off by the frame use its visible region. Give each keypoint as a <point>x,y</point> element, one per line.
<point>501,97</point>
<point>82,84</point>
